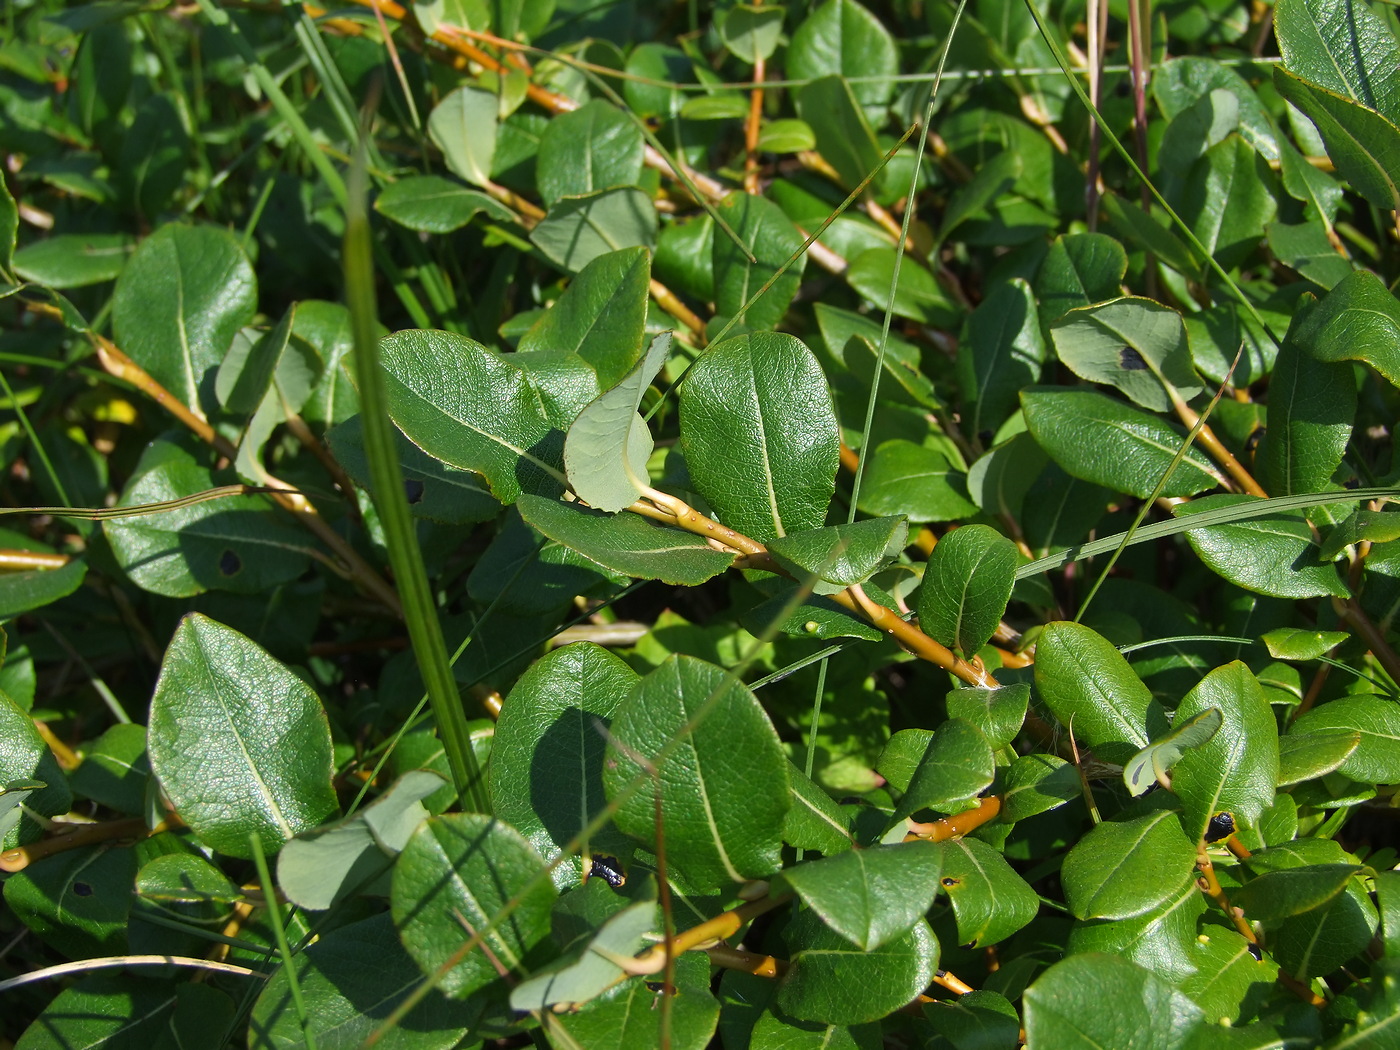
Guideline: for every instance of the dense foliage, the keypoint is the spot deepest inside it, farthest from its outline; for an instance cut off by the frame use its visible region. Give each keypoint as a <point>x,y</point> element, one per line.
<point>599,524</point>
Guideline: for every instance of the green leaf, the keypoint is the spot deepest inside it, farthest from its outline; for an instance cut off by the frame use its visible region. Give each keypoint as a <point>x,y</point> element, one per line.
<point>967,584</point>
<point>587,973</point>
<point>1002,352</point>
<point>9,227</point>
<point>1374,1026</point>
<point>1344,47</point>
<point>956,767</point>
<point>77,901</point>
<point>841,555</point>
<point>1312,405</point>
<point>1080,269</point>
<point>1362,143</point>
<point>322,867</point>
<point>1376,759</point>
<point>843,38</point>
<point>1088,685</point>
<point>1293,643</point>
<point>991,181</point>
<point>181,298</point>
<point>870,896</point>
<point>579,229</point>
<point>1227,199</point>
<point>814,821</point>
<point>917,296</point>
<point>120,1012</point>
<point>1307,756</point>
<point>720,772</point>
<point>1163,941</point>
<point>608,445</point>
<point>473,409</point>
<point>73,260</point>
<point>231,544</point>
<point>432,204</point>
<point>1037,784</point>
<point>999,712</point>
<point>526,574</point>
<point>1236,770</point>
<point>435,490</point>
<point>915,481</point>
<point>463,126</point>
<point>1304,247</point>
<point>546,771</point>
<point>1317,942</point>
<point>350,980</point>
<point>1126,868</point>
<point>844,139</point>
<point>1145,231</point>
<point>760,434</point>
<point>34,588</point>
<point>1194,130</point>
<point>1358,320</point>
<point>1388,903</point>
<point>594,147</point>
<point>751,33</point>
<point>240,744</point>
<point>1104,441</point>
<point>1136,345</point>
<point>453,882</point>
<point>1092,1000</point>
<point>1272,554</point>
<point>246,373</point>
<point>115,771</point>
<point>990,900</point>
<point>1277,895</point>
<point>153,156</point>
<point>976,1020</point>
<point>831,982</point>
<point>786,136</point>
<point>626,542</point>
<point>633,1019</point>
<point>27,765</point>
<point>601,316</point>
<point>1150,765</point>
<point>768,235</point>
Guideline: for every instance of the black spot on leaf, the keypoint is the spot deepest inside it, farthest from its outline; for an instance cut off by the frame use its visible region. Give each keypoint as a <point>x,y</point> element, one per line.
<point>230,564</point>
<point>949,882</point>
<point>1131,360</point>
<point>413,489</point>
<point>82,889</point>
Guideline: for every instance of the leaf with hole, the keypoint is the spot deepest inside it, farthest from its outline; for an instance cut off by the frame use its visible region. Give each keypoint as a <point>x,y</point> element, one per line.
<point>1136,345</point>
<point>231,544</point>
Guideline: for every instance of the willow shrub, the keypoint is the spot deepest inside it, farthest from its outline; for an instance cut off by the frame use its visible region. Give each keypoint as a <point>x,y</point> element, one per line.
<point>688,566</point>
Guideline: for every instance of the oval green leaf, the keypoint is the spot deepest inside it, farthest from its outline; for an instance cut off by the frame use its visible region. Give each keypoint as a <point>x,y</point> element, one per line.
<point>720,770</point>
<point>240,744</point>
